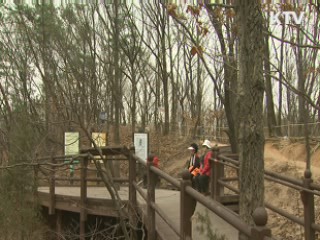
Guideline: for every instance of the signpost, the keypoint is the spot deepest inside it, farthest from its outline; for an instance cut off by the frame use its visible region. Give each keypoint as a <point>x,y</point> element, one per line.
<point>141,145</point>
<point>71,147</point>
<point>100,139</point>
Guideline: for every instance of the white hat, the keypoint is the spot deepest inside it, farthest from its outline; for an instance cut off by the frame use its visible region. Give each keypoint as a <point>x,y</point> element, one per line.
<point>193,146</point>
<point>206,143</point>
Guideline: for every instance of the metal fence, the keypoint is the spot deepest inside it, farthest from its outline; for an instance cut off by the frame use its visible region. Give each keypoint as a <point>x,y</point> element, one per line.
<point>289,130</point>
<point>297,130</point>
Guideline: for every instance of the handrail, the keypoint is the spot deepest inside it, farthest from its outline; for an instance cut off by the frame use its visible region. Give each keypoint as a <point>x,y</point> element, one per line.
<point>272,176</point>
<point>220,210</point>
<point>136,158</point>
<point>153,205</point>
<point>285,214</point>
<point>166,176</point>
<point>141,192</point>
<point>80,165</point>
<point>315,186</point>
<point>88,179</point>
<point>284,178</point>
<point>291,185</point>
<point>228,159</point>
<point>187,193</point>
<point>62,157</point>
<point>228,186</point>
<point>306,187</point>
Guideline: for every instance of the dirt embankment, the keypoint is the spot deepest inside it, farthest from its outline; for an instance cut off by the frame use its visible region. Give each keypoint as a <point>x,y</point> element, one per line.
<point>289,160</point>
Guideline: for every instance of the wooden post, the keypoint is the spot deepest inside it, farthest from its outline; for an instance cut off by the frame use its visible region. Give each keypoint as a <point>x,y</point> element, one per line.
<point>35,179</point>
<point>151,214</point>
<point>187,207</point>
<point>308,204</point>
<point>52,205</point>
<point>58,224</point>
<point>114,168</point>
<point>83,197</point>
<point>216,170</point>
<point>260,218</point>
<point>82,229</point>
<point>132,193</point>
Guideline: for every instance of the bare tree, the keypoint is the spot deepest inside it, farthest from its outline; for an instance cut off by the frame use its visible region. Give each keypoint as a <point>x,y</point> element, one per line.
<point>227,46</point>
<point>156,15</point>
<point>250,103</point>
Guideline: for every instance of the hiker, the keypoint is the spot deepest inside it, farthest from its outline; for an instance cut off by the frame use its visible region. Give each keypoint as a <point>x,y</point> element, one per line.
<point>202,180</point>
<point>193,164</point>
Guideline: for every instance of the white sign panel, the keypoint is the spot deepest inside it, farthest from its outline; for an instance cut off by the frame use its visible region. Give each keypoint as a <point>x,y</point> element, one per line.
<point>140,141</point>
<point>71,143</point>
<point>71,147</point>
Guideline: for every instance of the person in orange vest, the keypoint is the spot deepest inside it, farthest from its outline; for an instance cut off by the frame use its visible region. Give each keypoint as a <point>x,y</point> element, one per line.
<point>193,163</point>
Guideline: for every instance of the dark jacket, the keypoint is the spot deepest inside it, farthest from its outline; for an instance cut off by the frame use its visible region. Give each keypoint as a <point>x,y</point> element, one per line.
<point>196,162</point>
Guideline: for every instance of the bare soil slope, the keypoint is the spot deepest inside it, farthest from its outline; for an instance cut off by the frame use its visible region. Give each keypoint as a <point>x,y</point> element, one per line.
<point>289,160</point>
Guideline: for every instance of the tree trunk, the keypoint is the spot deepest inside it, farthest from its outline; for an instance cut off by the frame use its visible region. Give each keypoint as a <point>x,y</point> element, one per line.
<point>271,116</point>
<point>230,84</point>
<point>174,102</point>
<point>117,74</point>
<point>280,80</point>
<point>134,93</point>
<point>301,81</point>
<point>164,73</point>
<point>250,92</point>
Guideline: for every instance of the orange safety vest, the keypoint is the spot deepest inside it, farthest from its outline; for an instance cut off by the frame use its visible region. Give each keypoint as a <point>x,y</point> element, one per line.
<point>195,171</point>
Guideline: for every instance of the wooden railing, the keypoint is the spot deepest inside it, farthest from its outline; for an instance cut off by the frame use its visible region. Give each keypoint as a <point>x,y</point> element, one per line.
<point>188,196</point>
<point>307,189</point>
<point>58,174</point>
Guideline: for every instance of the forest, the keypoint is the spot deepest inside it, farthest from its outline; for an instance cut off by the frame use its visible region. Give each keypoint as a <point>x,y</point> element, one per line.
<point>217,66</point>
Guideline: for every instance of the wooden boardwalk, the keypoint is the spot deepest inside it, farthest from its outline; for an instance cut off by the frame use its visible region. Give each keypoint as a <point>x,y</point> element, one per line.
<point>87,199</point>
<point>99,203</point>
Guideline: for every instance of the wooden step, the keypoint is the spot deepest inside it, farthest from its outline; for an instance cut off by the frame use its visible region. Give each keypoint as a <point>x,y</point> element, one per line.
<point>231,202</point>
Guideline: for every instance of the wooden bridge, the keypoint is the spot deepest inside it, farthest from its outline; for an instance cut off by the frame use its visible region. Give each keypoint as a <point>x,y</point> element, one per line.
<point>166,214</point>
